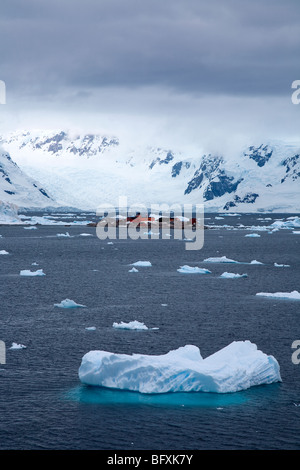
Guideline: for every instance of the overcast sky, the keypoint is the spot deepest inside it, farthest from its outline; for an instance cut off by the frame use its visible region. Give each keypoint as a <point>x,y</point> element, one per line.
<point>181,71</point>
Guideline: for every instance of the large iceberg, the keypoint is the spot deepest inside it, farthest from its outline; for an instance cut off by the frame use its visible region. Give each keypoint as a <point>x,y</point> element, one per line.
<point>236,367</point>
<point>219,259</point>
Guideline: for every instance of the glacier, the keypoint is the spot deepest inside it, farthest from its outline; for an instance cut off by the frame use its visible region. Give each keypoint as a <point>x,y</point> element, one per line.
<point>58,168</point>
<point>236,367</point>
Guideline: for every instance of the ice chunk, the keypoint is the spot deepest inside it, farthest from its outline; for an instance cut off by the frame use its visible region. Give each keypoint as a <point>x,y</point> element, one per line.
<point>296,232</point>
<point>253,235</point>
<point>3,252</point>
<point>27,272</point>
<point>193,270</point>
<point>281,265</point>
<point>236,367</point>
<point>63,235</point>
<point>67,303</point>
<point>141,263</point>
<point>233,275</point>
<point>90,328</point>
<point>132,325</point>
<point>17,346</point>
<point>295,295</point>
<point>133,270</point>
<point>86,234</point>
<point>221,259</point>
<point>32,227</point>
<point>254,261</point>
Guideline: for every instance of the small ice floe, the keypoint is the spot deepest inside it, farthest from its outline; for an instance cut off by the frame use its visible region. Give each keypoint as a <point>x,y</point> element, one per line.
<point>61,235</point>
<point>164,305</point>
<point>141,263</point>
<point>132,325</point>
<point>90,328</point>
<point>254,261</point>
<point>32,227</point>
<point>193,270</point>
<point>3,252</point>
<point>110,243</point>
<point>281,265</point>
<point>67,303</point>
<point>232,275</point>
<point>27,272</point>
<point>296,232</point>
<point>133,270</point>
<point>17,346</point>
<point>85,234</point>
<point>294,295</point>
<point>220,259</point>
<point>253,235</point>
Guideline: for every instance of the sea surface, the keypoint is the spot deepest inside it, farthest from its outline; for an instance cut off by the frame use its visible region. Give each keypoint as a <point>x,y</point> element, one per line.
<point>43,405</point>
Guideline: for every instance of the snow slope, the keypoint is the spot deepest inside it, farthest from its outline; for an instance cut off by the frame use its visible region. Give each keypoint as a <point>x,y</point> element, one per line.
<point>85,171</point>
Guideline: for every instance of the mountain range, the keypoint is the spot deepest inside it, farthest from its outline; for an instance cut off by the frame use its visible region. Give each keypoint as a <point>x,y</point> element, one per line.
<point>40,169</point>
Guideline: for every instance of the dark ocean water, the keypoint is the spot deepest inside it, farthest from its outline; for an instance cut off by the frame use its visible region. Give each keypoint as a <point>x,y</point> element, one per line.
<point>42,402</point>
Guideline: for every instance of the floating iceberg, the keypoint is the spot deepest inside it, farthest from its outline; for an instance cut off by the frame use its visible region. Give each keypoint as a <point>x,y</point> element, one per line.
<point>63,235</point>
<point>90,328</point>
<point>254,261</point>
<point>221,259</point>
<point>133,325</point>
<point>292,222</point>
<point>85,234</point>
<point>296,232</point>
<point>141,263</point>
<point>232,275</point>
<point>3,252</point>
<point>133,270</point>
<point>67,303</point>
<point>27,272</point>
<point>32,227</point>
<point>253,235</point>
<point>17,346</point>
<point>193,270</point>
<point>238,366</point>
<point>295,295</point>
<point>281,265</point>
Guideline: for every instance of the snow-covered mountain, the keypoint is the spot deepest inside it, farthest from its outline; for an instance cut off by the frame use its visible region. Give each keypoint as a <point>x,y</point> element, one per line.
<point>18,188</point>
<point>87,170</point>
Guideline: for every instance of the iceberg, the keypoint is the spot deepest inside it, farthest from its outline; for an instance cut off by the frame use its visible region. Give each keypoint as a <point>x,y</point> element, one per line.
<point>133,270</point>
<point>238,366</point>
<point>27,272</point>
<point>67,303</point>
<point>254,261</point>
<point>133,325</point>
<point>193,270</point>
<point>232,275</point>
<point>221,259</point>
<point>3,252</point>
<point>17,346</point>
<point>294,295</point>
<point>281,265</point>
<point>63,235</point>
<point>141,263</point>
<point>253,235</point>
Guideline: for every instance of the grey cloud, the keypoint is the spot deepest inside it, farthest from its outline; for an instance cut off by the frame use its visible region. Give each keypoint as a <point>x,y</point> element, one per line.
<point>197,47</point>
